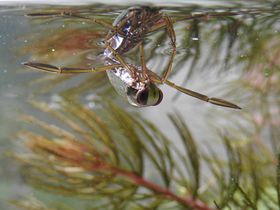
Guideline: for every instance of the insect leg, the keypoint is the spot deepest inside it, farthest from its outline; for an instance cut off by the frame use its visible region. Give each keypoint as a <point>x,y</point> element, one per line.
<point>216,101</point>
<point>172,36</point>
<point>142,57</point>
<point>120,59</point>
<point>67,70</point>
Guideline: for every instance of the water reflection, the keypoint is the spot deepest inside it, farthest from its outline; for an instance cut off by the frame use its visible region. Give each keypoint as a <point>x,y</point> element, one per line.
<point>227,52</point>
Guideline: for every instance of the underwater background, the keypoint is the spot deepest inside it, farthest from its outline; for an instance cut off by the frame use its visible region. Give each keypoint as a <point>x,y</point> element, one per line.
<point>70,141</point>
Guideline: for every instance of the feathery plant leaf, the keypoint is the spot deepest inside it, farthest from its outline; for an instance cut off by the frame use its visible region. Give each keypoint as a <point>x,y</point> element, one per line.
<point>278,180</point>
<point>30,204</point>
<point>234,173</point>
<point>118,156</point>
<point>101,156</point>
<point>190,149</point>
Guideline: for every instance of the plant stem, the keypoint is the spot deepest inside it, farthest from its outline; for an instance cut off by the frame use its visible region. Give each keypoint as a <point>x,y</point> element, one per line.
<point>189,201</point>
<point>140,181</point>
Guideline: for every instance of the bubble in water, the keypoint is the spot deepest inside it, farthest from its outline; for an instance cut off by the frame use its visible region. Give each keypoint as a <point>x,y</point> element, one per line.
<point>167,51</point>
<point>55,101</point>
<point>91,105</point>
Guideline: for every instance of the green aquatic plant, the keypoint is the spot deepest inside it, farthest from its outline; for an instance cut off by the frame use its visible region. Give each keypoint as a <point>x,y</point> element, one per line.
<point>104,160</point>
<point>109,158</point>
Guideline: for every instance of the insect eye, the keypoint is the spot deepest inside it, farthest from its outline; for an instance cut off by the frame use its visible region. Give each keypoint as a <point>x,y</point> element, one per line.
<point>160,97</point>
<point>150,96</point>
<point>142,96</point>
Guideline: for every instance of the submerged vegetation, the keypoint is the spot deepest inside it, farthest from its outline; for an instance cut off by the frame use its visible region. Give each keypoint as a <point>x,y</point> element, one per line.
<point>113,159</point>
<point>102,156</point>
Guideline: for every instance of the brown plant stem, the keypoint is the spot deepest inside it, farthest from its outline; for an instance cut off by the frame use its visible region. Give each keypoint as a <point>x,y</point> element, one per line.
<point>75,154</point>
<point>188,201</point>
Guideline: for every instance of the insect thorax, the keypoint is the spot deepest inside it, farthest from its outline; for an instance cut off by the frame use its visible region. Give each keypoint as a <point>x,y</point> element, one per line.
<point>134,24</point>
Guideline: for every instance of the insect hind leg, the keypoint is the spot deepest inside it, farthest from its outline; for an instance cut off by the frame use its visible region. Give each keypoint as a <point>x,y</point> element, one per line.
<point>172,36</point>
<point>67,70</point>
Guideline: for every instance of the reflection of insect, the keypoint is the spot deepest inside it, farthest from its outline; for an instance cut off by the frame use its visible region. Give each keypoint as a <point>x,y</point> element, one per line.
<point>137,83</point>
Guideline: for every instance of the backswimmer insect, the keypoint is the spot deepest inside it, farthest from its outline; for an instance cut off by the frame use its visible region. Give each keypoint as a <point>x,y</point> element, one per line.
<point>137,84</point>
